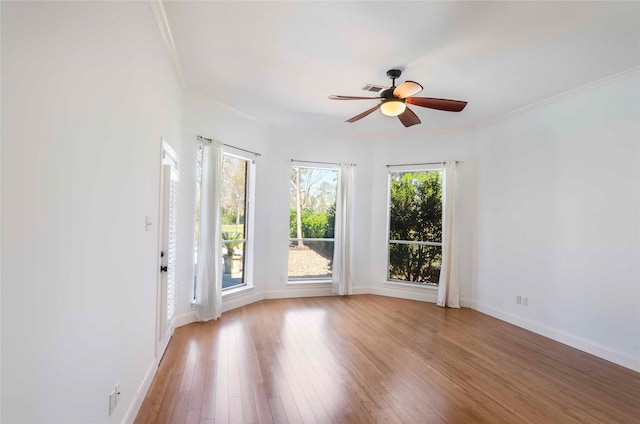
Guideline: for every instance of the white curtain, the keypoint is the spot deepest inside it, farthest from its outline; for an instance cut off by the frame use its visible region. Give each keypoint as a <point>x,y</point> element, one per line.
<point>448,285</point>
<point>209,276</point>
<point>341,282</point>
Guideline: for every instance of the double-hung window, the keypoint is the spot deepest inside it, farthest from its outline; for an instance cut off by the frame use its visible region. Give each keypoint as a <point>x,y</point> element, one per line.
<point>236,192</point>
<point>312,205</point>
<point>415,225</point>
<point>234,201</point>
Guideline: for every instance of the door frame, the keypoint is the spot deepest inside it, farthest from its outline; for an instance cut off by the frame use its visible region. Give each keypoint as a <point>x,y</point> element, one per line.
<point>168,157</point>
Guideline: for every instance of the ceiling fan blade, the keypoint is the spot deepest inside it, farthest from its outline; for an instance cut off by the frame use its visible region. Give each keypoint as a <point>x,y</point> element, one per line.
<point>406,89</point>
<point>439,104</point>
<point>408,118</point>
<point>363,114</point>
<point>354,98</point>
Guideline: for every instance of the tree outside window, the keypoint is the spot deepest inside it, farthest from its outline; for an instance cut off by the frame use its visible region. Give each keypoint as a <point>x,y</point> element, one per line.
<point>312,205</point>
<point>415,226</point>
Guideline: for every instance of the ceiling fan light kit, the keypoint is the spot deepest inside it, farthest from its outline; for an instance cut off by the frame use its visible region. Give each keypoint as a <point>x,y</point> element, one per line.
<point>393,107</point>
<point>393,101</point>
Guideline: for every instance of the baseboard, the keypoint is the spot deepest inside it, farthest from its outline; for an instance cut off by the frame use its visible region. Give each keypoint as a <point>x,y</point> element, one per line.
<point>401,292</point>
<point>227,305</point>
<point>298,292</point>
<point>239,301</point>
<point>465,303</point>
<point>604,352</point>
<point>184,319</point>
<point>136,403</point>
<point>361,290</point>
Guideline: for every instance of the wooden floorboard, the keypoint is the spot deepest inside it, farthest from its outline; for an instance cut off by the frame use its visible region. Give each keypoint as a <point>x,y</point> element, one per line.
<point>374,359</point>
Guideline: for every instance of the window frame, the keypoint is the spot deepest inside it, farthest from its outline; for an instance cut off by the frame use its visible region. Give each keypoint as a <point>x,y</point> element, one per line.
<point>409,168</point>
<point>249,224</point>
<point>247,260</point>
<point>314,280</point>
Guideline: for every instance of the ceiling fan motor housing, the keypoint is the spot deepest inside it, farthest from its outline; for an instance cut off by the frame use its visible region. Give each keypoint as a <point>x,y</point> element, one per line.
<point>388,94</point>
<point>394,73</point>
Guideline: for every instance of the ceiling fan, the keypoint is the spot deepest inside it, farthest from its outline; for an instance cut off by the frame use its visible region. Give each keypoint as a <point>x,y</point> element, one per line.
<point>393,101</point>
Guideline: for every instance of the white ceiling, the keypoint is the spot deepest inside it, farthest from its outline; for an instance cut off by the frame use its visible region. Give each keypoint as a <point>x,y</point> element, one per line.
<point>278,61</point>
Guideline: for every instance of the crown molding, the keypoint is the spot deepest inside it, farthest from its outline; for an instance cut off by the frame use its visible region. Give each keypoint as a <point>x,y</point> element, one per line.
<point>198,94</point>
<point>558,97</point>
<point>167,38</point>
<point>165,31</point>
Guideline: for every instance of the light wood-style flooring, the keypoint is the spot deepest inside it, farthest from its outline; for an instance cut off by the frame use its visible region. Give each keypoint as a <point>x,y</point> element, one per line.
<point>373,359</point>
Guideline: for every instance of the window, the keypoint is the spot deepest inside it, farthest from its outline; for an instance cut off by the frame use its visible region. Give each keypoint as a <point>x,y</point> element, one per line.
<point>235,219</point>
<point>415,226</point>
<point>235,172</point>
<point>312,222</point>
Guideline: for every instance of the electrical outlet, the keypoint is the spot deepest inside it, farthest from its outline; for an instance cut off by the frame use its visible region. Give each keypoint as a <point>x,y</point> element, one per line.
<point>112,401</point>
<point>524,301</point>
<point>518,300</point>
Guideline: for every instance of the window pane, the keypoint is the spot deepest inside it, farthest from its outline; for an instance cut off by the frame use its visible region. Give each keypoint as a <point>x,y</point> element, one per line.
<point>415,215</point>
<point>415,263</point>
<point>312,194</point>
<point>233,254</point>
<point>233,200</point>
<point>312,205</point>
<point>311,260</point>
<point>416,206</point>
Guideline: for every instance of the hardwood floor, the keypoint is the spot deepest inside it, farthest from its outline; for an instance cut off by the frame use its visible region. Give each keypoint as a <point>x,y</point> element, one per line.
<point>365,359</point>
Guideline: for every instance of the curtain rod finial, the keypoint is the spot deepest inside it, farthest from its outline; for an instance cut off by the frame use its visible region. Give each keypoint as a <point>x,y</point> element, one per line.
<point>204,140</point>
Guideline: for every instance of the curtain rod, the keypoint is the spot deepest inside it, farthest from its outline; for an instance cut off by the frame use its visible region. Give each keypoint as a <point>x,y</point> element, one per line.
<point>322,163</point>
<point>208,140</point>
<point>423,163</point>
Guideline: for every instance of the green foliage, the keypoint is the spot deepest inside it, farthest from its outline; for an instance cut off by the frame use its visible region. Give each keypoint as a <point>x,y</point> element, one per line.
<point>420,264</point>
<point>314,225</point>
<point>415,215</point>
<point>292,223</point>
<point>229,218</point>
<point>229,237</point>
<point>331,221</point>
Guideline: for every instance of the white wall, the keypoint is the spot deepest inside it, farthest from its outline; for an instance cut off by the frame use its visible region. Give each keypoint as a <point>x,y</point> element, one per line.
<point>87,94</point>
<point>558,222</point>
<point>419,147</point>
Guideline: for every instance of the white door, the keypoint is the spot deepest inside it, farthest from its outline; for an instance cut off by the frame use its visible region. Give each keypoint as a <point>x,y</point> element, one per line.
<point>168,238</point>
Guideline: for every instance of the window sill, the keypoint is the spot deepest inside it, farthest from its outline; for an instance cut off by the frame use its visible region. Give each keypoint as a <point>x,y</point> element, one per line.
<point>308,283</point>
<point>236,292</point>
<point>410,286</point>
